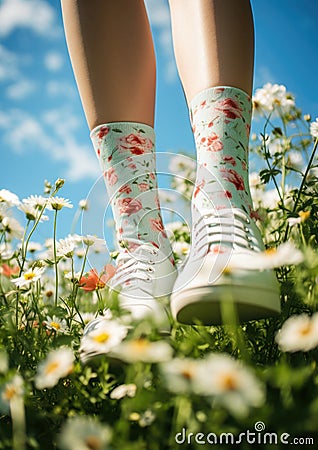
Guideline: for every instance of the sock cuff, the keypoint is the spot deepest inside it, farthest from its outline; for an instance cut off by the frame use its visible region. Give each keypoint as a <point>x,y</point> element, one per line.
<point>122,127</point>
<point>219,93</point>
<point>118,141</point>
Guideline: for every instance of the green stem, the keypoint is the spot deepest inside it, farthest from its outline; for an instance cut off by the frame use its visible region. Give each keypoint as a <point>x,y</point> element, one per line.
<point>55,258</point>
<point>18,423</point>
<point>303,181</point>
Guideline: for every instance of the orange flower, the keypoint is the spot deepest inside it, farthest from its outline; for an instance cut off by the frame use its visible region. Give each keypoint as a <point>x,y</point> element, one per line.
<point>8,271</point>
<point>93,281</point>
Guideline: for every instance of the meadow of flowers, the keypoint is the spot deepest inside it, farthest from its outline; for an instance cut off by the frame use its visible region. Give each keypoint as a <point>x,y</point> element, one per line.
<point>139,390</point>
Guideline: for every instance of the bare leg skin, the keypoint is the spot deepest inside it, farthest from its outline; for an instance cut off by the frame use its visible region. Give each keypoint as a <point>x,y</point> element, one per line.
<point>111,50</point>
<point>213,43</point>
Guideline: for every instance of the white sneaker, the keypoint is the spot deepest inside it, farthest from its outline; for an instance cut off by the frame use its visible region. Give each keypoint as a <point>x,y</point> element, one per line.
<point>206,283</point>
<point>142,278</point>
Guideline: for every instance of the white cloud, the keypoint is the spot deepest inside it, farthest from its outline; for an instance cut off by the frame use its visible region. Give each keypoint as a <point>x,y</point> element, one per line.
<point>9,62</point>
<point>158,11</point>
<point>61,88</point>
<point>53,61</point>
<point>55,137</point>
<point>20,89</point>
<point>37,15</point>
<point>263,75</point>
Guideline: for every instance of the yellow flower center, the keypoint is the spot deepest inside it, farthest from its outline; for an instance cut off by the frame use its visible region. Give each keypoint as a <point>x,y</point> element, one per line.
<point>229,382</point>
<point>100,284</point>
<point>270,251</point>
<point>187,374</point>
<point>304,215</point>
<point>101,338</point>
<point>139,345</point>
<point>9,393</point>
<point>93,442</point>
<point>29,276</point>
<point>50,368</point>
<point>55,325</point>
<point>306,329</point>
<point>227,270</point>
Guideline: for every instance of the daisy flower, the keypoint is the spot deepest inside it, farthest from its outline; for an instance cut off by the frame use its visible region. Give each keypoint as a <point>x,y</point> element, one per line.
<point>36,201</point>
<point>58,364</point>
<point>230,384</point>
<point>32,213</point>
<point>34,247</point>
<point>65,247</point>
<point>180,374</point>
<point>299,333</point>
<point>273,98</point>
<point>58,203</point>
<point>10,391</point>
<point>83,205</point>
<point>123,390</point>
<point>181,249</point>
<point>142,349</point>
<point>6,251</point>
<point>12,228</point>
<point>101,336</point>
<point>284,255</point>
<point>314,129</point>
<point>182,165</point>
<point>96,244</point>
<point>84,433</point>
<point>55,324</point>
<point>29,277</point>
<point>146,418</point>
<point>302,217</point>
<point>9,198</point>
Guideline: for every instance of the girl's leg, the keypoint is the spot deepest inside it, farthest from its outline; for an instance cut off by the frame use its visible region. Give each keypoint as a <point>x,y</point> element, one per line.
<point>111,50</point>
<point>214,47</point>
<point>112,54</point>
<point>213,43</point>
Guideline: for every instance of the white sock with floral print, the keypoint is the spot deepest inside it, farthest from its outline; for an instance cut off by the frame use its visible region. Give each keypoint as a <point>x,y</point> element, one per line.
<point>221,118</point>
<point>126,152</point>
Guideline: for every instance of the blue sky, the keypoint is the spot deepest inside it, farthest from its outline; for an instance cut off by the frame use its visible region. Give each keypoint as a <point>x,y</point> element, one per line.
<point>43,132</point>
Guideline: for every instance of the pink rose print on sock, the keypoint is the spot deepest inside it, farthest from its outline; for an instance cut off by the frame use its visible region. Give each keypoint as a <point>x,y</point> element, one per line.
<point>132,166</point>
<point>103,131</point>
<point>229,160</point>
<point>157,225</point>
<point>244,166</point>
<point>212,143</point>
<point>233,177</point>
<point>157,202</point>
<point>216,249</point>
<point>254,214</point>
<point>125,189</point>
<point>198,188</point>
<point>136,144</point>
<point>226,194</point>
<point>143,187</point>
<point>129,205</point>
<point>230,108</point>
<point>111,176</point>
<point>132,246</point>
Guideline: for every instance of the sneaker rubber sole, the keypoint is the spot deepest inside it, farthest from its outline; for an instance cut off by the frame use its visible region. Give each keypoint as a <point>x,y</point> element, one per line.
<point>207,304</point>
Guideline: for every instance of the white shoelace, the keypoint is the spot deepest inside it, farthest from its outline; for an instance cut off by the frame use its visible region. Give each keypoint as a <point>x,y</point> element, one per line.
<point>228,227</point>
<point>135,266</point>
